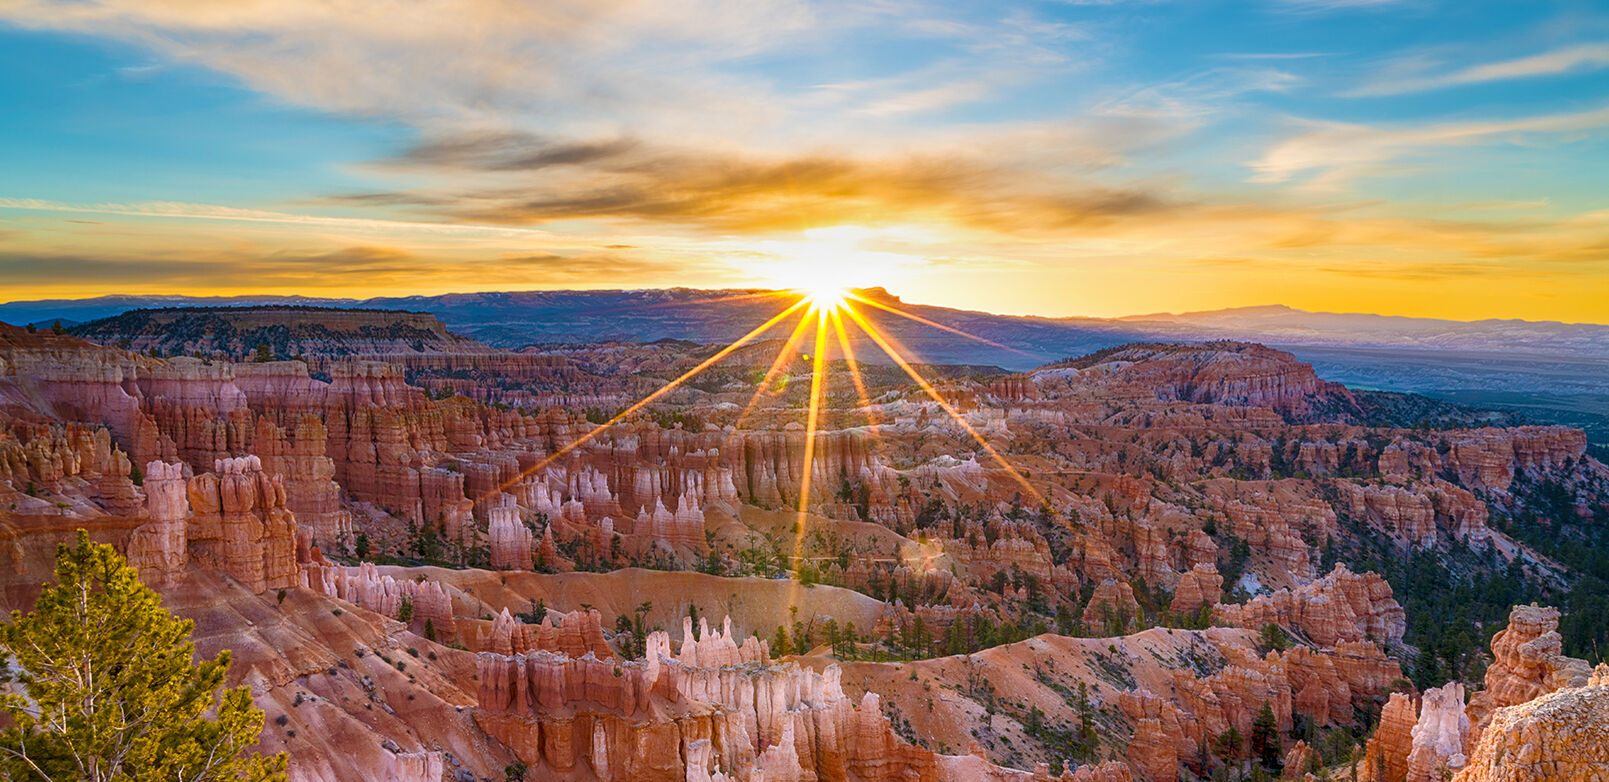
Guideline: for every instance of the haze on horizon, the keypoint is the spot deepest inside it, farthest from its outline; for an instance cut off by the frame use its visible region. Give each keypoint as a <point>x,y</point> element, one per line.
<point>1091,157</point>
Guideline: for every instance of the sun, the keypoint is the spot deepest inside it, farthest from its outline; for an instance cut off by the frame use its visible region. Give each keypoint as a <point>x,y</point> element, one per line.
<point>826,296</point>
<point>825,265</point>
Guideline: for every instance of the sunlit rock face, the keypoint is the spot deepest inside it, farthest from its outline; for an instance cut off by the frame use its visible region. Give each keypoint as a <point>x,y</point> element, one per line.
<point>1563,735</point>
<point>159,547</point>
<point>1527,662</point>
<point>240,524</point>
<point>716,709</point>
<point>1439,735</point>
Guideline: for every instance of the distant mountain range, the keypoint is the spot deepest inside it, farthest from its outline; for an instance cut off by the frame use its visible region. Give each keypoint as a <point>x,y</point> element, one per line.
<point>1559,371</point>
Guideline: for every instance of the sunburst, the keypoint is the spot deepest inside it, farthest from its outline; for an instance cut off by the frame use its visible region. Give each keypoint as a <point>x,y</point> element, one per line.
<point>823,310</point>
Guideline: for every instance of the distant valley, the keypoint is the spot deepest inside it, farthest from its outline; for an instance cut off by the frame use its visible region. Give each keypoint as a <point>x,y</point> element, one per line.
<point>1551,372</point>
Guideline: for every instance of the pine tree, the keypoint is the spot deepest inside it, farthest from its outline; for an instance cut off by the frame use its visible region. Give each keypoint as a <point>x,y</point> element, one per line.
<point>1265,744</point>
<point>111,692</point>
<point>779,642</point>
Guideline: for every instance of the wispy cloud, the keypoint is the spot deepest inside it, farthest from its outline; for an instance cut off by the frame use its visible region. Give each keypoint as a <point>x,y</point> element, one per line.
<point>629,179</point>
<point>1330,155</point>
<point>183,211</point>
<point>1579,58</point>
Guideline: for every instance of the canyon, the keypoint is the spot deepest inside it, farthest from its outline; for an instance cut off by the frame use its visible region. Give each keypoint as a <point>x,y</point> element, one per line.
<point>1162,561</point>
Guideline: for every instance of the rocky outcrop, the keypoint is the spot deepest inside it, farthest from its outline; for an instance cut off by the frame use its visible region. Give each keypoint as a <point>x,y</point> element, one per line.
<point>241,525</point>
<point>427,603</point>
<point>1154,747</point>
<point>1489,457</point>
<point>1341,606</point>
<point>1300,761</point>
<point>510,539</point>
<point>1438,736</point>
<point>298,455</point>
<point>1528,661</point>
<point>1198,587</point>
<point>574,635</point>
<point>1112,606</point>
<point>158,548</point>
<point>1563,735</point>
<point>1222,373</point>
<point>1385,757</point>
<point>777,721</point>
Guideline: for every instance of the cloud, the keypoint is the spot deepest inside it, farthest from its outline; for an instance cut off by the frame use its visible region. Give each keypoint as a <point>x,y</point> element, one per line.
<point>1572,59</point>
<point>1332,154</point>
<point>547,181</point>
<point>211,212</point>
<point>341,269</point>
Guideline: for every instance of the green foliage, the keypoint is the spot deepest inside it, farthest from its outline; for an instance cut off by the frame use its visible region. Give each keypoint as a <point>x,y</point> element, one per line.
<point>779,642</point>
<point>631,632</point>
<point>1274,637</point>
<point>1265,744</point>
<point>111,692</point>
<point>405,610</point>
<point>1228,745</point>
<point>265,353</point>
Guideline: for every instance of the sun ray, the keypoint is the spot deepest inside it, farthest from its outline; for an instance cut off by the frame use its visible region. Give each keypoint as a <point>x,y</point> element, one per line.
<point>854,371</point>
<point>645,401</point>
<point>894,353</point>
<point>934,324</point>
<point>784,354</point>
<point>818,376</point>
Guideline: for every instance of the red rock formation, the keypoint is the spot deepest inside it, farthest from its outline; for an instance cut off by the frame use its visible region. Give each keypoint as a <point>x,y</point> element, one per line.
<point>1528,662</point>
<point>1300,760</point>
<point>575,634</point>
<point>1385,758</point>
<point>241,525</point>
<point>1113,600</point>
<point>1488,457</point>
<point>1198,587</point>
<point>1438,736</point>
<point>309,476</point>
<point>510,539</point>
<point>158,547</point>
<point>782,722</point>
<point>365,586</point>
<point>1341,606</point>
<point>1563,735</point>
<point>1154,749</point>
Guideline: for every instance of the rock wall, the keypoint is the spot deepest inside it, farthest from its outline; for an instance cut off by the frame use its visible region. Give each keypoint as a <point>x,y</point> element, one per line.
<point>1341,606</point>
<point>675,717</point>
<point>241,525</point>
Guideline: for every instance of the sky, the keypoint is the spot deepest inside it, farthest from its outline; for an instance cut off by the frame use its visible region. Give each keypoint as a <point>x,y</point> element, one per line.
<point>1438,158</point>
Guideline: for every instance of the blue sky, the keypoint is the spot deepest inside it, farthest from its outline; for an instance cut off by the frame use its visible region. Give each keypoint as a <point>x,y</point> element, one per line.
<point>1401,156</point>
